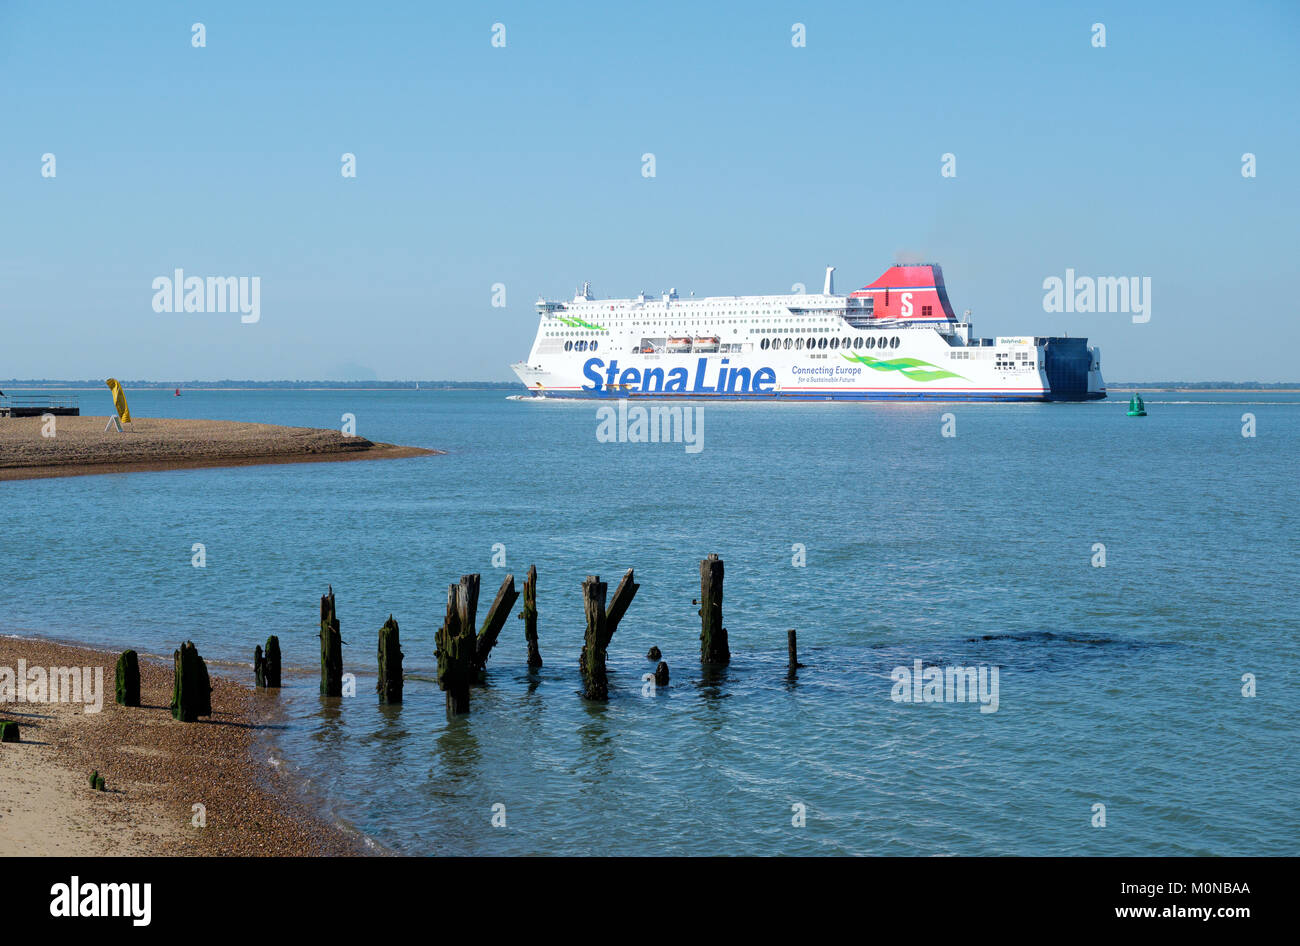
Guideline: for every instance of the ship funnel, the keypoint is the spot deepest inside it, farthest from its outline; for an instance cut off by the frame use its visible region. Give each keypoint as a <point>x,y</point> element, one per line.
<point>829,288</point>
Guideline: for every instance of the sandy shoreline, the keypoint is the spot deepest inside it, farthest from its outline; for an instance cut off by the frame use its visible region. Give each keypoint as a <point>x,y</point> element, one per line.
<point>156,769</point>
<point>80,447</point>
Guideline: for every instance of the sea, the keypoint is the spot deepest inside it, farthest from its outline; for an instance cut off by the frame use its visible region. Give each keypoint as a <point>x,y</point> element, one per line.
<point>1130,581</point>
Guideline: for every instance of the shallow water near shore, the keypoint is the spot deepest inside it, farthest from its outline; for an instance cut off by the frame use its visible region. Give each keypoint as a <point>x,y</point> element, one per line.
<point>1118,685</point>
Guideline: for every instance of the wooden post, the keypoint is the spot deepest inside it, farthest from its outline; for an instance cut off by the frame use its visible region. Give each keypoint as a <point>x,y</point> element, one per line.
<point>9,731</point>
<point>390,663</point>
<point>496,619</point>
<point>653,653</point>
<point>259,668</point>
<point>713,636</point>
<point>618,604</point>
<point>661,674</point>
<point>595,683</point>
<point>128,679</point>
<point>530,617</point>
<point>457,645</point>
<point>271,662</point>
<point>467,601</point>
<point>191,689</point>
<point>793,649</point>
<point>331,648</point>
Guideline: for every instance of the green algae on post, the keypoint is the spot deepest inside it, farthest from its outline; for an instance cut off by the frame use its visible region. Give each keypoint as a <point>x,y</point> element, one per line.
<point>390,663</point>
<point>127,688</point>
<point>529,615</point>
<point>457,645</point>
<point>595,683</point>
<point>331,648</point>
<point>191,688</point>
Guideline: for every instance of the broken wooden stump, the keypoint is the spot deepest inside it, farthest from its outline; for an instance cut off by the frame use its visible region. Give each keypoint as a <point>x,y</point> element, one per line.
<point>127,687</point>
<point>793,648</point>
<point>390,663</point>
<point>496,619</point>
<point>271,663</point>
<point>331,648</point>
<point>618,604</point>
<point>266,664</point>
<point>595,683</point>
<point>653,653</point>
<point>661,674</point>
<point>457,645</point>
<point>191,688</point>
<point>530,617</point>
<point>713,636</point>
<point>9,731</point>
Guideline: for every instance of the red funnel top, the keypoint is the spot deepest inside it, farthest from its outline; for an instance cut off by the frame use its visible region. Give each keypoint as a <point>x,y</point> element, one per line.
<point>912,292</point>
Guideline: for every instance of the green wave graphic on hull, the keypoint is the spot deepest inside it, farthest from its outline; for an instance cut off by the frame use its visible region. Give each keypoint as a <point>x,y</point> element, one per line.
<point>914,369</point>
<point>578,323</point>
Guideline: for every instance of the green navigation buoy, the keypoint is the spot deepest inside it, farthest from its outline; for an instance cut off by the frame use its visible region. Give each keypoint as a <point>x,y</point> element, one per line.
<point>1135,406</point>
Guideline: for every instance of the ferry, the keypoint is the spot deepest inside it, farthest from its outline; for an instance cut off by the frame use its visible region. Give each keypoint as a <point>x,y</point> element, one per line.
<point>896,339</point>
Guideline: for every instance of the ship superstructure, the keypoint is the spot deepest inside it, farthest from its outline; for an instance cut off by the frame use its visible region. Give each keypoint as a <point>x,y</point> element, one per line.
<point>894,339</point>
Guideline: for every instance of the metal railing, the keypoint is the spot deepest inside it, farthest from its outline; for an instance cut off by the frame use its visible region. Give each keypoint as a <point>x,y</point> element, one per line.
<point>52,400</point>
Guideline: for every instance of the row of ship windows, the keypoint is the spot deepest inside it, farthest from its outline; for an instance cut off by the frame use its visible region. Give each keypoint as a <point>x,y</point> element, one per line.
<point>581,345</point>
<point>798,344</point>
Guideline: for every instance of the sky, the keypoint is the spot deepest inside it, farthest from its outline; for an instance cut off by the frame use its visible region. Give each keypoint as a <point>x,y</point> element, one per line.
<point>521,165</point>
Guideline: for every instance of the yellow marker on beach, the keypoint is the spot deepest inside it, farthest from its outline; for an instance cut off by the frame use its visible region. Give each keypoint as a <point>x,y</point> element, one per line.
<point>119,400</point>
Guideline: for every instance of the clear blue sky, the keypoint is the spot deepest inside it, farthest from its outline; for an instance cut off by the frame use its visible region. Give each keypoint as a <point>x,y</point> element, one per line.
<point>478,165</point>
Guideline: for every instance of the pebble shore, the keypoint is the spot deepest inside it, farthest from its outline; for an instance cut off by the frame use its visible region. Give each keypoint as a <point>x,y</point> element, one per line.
<point>155,768</point>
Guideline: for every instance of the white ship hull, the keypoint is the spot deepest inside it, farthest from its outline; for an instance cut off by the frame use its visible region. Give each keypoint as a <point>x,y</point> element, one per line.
<point>894,340</point>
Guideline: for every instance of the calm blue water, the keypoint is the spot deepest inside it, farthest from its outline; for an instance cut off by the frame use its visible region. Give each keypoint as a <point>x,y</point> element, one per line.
<point>1118,685</point>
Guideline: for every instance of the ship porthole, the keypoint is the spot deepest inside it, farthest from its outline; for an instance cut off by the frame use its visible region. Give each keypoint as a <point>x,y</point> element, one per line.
<point>893,342</point>
<point>568,346</point>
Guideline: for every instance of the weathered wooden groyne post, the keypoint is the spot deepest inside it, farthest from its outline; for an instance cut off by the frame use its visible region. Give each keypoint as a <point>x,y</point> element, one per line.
<point>793,648</point>
<point>191,688</point>
<point>457,645</point>
<point>713,636</point>
<point>266,664</point>
<point>530,617</point>
<point>595,684</point>
<point>496,619</point>
<point>9,731</point>
<point>602,622</point>
<point>331,648</point>
<point>618,604</point>
<point>127,683</point>
<point>390,663</point>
